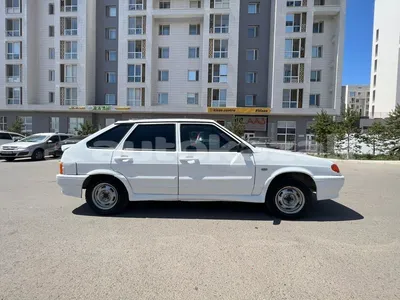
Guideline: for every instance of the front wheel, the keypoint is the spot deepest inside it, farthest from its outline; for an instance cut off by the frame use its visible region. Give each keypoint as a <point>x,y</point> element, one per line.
<point>289,199</point>
<point>106,196</point>
<point>38,154</point>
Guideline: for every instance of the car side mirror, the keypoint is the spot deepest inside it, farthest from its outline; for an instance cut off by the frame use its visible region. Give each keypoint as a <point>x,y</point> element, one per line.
<point>242,148</point>
<point>50,142</point>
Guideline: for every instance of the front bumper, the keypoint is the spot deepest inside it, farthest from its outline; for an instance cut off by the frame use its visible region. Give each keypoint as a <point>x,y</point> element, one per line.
<point>71,185</point>
<point>14,154</point>
<point>328,187</point>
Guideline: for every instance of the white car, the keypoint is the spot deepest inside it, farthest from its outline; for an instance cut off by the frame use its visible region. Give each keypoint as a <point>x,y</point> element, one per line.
<point>191,160</point>
<point>9,137</point>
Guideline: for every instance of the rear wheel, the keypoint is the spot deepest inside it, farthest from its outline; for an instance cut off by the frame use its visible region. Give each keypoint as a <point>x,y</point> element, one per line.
<point>106,196</point>
<point>38,154</point>
<point>289,199</point>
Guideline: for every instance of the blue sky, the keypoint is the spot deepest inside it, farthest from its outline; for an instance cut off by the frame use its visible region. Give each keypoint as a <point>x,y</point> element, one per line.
<point>358,41</point>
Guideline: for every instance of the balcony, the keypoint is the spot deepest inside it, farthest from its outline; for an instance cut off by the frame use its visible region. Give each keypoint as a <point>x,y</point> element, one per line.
<point>14,79</point>
<point>11,33</point>
<point>326,7</point>
<point>13,10</point>
<point>178,9</point>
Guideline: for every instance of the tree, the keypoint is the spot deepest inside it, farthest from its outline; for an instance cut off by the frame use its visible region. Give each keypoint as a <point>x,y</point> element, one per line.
<point>393,130</point>
<point>323,128</point>
<point>17,126</point>
<point>349,129</point>
<point>237,127</point>
<point>375,137</point>
<point>86,128</point>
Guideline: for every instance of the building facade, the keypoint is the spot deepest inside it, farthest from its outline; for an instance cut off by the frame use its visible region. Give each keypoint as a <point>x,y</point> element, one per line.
<point>274,64</point>
<point>385,67</point>
<point>356,97</point>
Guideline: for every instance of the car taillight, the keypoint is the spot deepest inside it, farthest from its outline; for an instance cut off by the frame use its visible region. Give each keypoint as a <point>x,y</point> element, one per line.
<point>61,168</point>
<point>335,168</point>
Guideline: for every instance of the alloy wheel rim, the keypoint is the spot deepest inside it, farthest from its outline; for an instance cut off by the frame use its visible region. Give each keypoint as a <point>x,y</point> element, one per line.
<point>105,196</point>
<point>290,200</point>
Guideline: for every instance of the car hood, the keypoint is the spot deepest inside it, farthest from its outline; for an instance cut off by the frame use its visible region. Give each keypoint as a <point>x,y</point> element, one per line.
<point>20,144</point>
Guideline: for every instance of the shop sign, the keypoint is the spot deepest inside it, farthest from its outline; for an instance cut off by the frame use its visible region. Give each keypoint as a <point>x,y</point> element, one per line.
<point>240,110</point>
<point>100,108</point>
<point>254,123</point>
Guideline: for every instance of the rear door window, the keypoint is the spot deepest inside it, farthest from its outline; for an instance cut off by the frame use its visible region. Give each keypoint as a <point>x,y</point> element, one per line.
<point>152,137</point>
<point>5,136</point>
<point>111,138</point>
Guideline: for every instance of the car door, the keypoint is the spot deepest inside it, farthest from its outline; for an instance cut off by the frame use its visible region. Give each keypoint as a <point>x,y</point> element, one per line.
<point>148,159</point>
<point>210,164</point>
<point>51,144</point>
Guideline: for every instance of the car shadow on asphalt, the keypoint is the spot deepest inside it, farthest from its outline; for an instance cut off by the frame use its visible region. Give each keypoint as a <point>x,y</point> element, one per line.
<point>28,160</point>
<point>323,211</point>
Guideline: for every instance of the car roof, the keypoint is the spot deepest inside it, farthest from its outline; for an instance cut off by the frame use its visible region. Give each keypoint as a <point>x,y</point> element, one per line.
<point>181,120</point>
<point>4,131</point>
<point>51,133</point>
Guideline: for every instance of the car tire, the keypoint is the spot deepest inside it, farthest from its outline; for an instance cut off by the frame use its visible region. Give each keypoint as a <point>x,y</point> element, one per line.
<point>288,199</point>
<point>107,196</point>
<point>9,159</point>
<point>38,154</point>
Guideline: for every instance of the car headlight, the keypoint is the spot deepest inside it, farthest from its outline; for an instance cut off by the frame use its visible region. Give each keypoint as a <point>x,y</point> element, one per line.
<point>22,148</point>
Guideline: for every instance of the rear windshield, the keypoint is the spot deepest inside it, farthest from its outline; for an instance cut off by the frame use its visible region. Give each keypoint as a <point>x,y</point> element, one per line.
<point>111,138</point>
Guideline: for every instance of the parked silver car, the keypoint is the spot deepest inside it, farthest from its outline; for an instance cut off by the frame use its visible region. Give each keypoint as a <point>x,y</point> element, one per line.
<point>36,146</point>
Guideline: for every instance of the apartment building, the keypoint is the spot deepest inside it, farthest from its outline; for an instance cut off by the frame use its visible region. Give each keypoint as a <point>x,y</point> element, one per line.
<point>275,64</point>
<point>385,61</point>
<point>356,97</point>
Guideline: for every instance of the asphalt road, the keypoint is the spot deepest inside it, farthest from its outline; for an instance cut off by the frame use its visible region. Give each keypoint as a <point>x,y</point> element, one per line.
<point>52,247</point>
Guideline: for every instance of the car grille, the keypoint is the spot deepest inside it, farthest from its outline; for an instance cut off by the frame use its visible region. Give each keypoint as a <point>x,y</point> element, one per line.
<point>9,147</point>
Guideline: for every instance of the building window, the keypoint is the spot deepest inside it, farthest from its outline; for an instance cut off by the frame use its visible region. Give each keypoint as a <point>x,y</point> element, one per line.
<point>195,4</point>
<point>163,52</point>
<point>249,100</point>
<point>219,23</point>
<point>377,35</point>
<point>192,99</point>
<point>315,76</point>
<point>374,80</point>
<point>14,50</point>
<point>164,30</point>
<point>14,96</point>
<point>218,72</point>
<point>376,65</point>
<point>13,6</point>
<point>69,5</point>
<point>164,4</point>
<point>219,4</point>
<point>135,49</point>
<point>70,26</point>
<point>163,75</point>
<point>252,31</point>
<point>295,48</point>
<point>194,29</point>
<point>315,99</point>
<point>220,49</point>
<point>316,51</point>
<point>69,73</point>
<point>318,27</point>
<point>136,4</point>
<point>135,97</point>
<point>193,75</point>
<point>51,8</point>
<point>26,125</point>
<point>51,30</point>
<point>70,49</point>
<point>52,75</point>
<point>251,77</point>
<point>162,98</point>
<point>253,8</point>
<point>14,27</point>
<point>51,97</point>
<point>74,124</point>
<point>352,94</point>
<point>13,73</point>
<point>71,96</point>
<point>373,96</point>
<point>111,77</point>
<point>376,50</point>
<point>219,98</point>
<point>136,25</point>
<point>111,55</point>
<point>296,22</point>
<point>252,54</point>
<point>291,73</point>
<point>111,33</point>
<point>194,52</point>
<point>286,134</point>
<point>52,53</point>
<point>292,98</point>
<point>294,3</point>
<point>3,123</point>
<point>134,73</point>
<point>111,11</point>
<point>55,124</point>
<point>110,99</point>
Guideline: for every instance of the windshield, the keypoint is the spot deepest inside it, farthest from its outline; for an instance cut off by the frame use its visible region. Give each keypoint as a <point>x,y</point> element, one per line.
<point>34,139</point>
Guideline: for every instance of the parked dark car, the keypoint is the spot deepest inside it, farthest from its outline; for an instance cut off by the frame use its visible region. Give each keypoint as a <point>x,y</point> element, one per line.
<point>70,141</point>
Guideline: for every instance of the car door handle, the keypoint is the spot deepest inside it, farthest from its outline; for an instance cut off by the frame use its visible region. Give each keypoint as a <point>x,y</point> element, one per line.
<point>123,159</point>
<point>189,160</point>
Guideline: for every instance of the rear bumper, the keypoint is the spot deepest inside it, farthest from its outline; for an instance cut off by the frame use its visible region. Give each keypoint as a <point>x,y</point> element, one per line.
<point>71,185</point>
<point>328,187</point>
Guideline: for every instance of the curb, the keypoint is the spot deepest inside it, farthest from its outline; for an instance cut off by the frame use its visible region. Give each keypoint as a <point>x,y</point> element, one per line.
<point>385,162</point>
